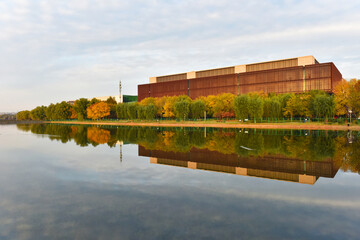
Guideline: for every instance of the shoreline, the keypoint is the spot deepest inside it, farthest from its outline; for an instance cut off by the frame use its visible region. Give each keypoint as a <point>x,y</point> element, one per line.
<point>305,126</point>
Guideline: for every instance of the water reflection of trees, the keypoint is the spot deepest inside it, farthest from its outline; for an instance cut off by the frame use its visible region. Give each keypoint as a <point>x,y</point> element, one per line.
<point>307,145</point>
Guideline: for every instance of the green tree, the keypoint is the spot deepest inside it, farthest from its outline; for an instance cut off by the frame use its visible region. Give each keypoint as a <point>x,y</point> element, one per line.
<point>121,111</point>
<point>150,111</point>
<point>111,101</point>
<point>324,106</point>
<point>182,109</point>
<point>197,109</point>
<point>241,106</point>
<point>276,108</point>
<point>256,107</point>
<point>141,114</point>
<point>38,113</point>
<point>93,101</point>
<point>132,110</point>
<point>80,107</point>
<point>272,107</point>
<point>267,108</point>
<point>50,112</point>
<point>62,110</point>
<point>112,104</point>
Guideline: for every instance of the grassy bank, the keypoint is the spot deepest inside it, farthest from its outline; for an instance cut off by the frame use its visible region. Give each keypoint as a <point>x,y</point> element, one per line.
<point>217,124</point>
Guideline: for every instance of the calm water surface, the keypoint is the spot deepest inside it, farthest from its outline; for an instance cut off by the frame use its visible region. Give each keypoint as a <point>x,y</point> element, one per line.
<point>78,182</point>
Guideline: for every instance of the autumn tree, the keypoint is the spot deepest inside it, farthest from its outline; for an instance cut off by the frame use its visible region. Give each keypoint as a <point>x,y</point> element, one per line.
<point>23,115</point>
<point>304,104</point>
<point>98,110</point>
<point>98,135</point>
<point>148,101</point>
<point>283,99</point>
<point>342,92</point>
<point>354,96</point>
<point>298,105</point>
<point>210,102</point>
<point>169,107</point>
<point>73,114</point>
<point>223,104</point>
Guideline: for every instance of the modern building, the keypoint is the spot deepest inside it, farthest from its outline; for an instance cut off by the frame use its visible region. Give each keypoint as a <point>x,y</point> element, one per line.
<point>293,75</point>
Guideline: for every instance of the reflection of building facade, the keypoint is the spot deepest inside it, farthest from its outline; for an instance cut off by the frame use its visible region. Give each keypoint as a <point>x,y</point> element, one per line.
<point>272,167</point>
<point>281,76</point>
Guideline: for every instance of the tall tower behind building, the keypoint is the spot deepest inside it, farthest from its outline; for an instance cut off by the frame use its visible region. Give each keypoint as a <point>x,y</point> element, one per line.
<point>120,94</point>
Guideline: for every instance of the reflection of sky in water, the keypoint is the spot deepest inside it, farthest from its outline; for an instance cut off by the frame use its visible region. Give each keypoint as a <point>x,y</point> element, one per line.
<point>57,191</point>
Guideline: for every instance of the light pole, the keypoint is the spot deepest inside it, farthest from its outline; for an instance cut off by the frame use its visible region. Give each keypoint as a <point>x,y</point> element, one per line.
<point>120,94</point>
<point>350,115</point>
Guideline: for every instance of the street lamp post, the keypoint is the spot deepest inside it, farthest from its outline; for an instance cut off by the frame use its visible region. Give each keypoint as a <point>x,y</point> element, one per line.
<point>350,115</point>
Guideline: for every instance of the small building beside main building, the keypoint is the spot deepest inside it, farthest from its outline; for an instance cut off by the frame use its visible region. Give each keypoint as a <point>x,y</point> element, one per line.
<point>293,75</point>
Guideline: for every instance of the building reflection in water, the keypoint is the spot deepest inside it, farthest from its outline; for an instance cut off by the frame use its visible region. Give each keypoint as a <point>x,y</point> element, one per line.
<point>272,167</point>
<point>290,155</point>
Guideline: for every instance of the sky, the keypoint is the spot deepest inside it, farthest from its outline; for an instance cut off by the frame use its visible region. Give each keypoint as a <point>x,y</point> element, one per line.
<point>51,51</point>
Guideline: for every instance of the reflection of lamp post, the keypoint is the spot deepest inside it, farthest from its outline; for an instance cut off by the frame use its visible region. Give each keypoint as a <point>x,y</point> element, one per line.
<point>349,135</point>
<point>350,115</point>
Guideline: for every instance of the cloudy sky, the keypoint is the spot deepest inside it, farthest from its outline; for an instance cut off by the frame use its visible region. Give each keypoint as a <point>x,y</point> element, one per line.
<point>63,50</point>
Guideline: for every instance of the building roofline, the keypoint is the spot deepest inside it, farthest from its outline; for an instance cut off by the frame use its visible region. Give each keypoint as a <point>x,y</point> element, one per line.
<point>284,59</point>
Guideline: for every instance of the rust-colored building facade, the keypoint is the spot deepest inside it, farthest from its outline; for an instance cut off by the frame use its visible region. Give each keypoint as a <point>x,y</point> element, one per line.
<point>276,167</point>
<point>294,75</point>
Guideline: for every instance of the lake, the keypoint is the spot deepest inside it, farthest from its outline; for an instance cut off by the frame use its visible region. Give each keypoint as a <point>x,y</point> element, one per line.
<point>88,182</point>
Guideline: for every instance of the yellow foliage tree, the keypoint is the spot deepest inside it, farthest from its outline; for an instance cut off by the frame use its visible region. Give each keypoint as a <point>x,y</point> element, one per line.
<point>354,96</point>
<point>148,101</point>
<point>73,113</point>
<point>210,102</point>
<point>342,92</point>
<point>169,107</point>
<point>98,110</point>
<point>224,103</point>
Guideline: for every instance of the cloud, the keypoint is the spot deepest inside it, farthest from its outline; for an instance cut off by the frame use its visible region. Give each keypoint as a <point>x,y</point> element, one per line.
<point>69,49</point>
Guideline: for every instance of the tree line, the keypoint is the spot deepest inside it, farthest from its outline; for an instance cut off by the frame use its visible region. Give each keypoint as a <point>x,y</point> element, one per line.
<point>81,109</point>
<point>313,104</point>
